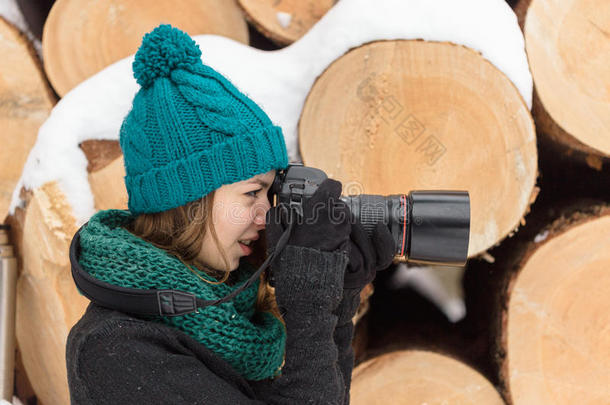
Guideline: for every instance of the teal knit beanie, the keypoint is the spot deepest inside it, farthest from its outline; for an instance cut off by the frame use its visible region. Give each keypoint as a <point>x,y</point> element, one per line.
<point>190,130</point>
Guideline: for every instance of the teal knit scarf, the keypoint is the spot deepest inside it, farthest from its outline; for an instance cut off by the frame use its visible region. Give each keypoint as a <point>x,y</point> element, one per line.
<point>251,342</point>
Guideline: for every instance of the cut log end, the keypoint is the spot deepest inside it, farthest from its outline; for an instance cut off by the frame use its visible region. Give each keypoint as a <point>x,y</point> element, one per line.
<point>568,47</point>
<point>286,21</point>
<point>542,308</point>
<point>74,49</point>
<point>383,120</point>
<point>556,348</point>
<point>417,377</point>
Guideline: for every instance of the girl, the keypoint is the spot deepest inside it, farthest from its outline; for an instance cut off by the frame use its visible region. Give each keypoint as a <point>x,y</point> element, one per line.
<point>200,157</point>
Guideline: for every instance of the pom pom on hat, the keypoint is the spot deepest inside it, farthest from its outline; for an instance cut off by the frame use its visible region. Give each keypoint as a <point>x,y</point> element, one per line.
<point>163,50</point>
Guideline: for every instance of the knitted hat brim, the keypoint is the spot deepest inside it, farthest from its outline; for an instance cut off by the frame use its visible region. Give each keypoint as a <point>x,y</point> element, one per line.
<point>180,182</point>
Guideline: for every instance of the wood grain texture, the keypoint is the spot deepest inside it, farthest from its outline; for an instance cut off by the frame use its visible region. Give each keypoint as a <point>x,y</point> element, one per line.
<point>284,21</point>
<point>394,116</point>
<point>48,303</point>
<point>542,307</point>
<point>25,103</point>
<point>82,37</point>
<point>568,48</point>
<point>419,377</point>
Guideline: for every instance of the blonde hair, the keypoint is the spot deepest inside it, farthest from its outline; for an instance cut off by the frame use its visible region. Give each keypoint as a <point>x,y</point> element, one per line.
<point>180,232</point>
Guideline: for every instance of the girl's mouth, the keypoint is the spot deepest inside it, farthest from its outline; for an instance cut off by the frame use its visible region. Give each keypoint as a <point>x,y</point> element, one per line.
<point>246,249</point>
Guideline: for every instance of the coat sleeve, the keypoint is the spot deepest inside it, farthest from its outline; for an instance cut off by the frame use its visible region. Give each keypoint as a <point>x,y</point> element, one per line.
<point>343,337</point>
<point>137,366</point>
<point>309,287</point>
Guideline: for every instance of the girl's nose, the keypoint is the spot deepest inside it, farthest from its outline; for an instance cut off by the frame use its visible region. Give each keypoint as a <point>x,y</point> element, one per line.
<point>261,212</point>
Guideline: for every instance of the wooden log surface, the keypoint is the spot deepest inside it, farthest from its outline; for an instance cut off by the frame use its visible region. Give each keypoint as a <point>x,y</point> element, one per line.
<point>543,306</point>
<point>48,303</point>
<point>25,102</point>
<point>393,116</point>
<point>106,173</point>
<point>555,347</point>
<point>284,21</point>
<point>419,377</point>
<point>81,38</point>
<point>23,386</point>
<point>568,48</point>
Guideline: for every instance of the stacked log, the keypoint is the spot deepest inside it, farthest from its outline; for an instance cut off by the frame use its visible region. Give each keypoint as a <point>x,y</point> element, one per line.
<point>384,120</point>
<point>26,103</point>
<point>284,21</point>
<point>543,307</point>
<point>417,377</point>
<point>48,303</point>
<point>81,38</point>
<point>568,47</point>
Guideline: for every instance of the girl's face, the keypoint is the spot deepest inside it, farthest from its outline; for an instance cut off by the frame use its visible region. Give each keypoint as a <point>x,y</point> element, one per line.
<point>239,215</point>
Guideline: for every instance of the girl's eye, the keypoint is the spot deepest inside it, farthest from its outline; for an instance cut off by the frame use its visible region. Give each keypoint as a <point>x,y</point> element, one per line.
<point>254,191</point>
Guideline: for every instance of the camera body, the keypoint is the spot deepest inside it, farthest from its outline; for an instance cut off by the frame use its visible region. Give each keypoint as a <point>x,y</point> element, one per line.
<point>430,227</point>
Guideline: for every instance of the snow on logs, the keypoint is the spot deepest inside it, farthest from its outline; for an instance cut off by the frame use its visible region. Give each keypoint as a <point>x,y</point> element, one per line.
<point>81,38</point>
<point>284,21</point>
<point>419,377</point>
<point>568,47</point>
<point>544,306</point>
<point>25,105</point>
<point>394,116</point>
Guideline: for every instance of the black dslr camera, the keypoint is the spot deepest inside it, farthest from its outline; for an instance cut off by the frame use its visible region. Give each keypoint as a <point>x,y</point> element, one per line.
<point>427,226</point>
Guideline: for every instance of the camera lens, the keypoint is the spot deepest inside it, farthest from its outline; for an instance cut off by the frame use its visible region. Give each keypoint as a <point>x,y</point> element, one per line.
<point>427,226</point>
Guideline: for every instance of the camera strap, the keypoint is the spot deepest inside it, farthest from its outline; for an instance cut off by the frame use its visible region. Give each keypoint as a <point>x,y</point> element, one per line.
<point>150,301</point>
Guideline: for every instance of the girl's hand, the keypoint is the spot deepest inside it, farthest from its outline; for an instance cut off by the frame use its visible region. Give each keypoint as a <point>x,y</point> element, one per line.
<point>368,255</point>
<point>325,224</point>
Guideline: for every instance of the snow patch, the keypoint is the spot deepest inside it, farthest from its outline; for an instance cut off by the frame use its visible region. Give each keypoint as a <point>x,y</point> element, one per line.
<point>541,236</point>
<point>16,401</point>
<point>283,18</point>
<point>491,230</point>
